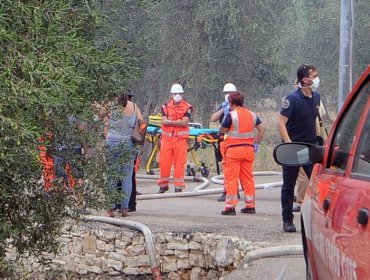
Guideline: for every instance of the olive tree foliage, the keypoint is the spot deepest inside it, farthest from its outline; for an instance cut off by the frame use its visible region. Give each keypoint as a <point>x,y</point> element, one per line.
<point>206,44</point>
<point>312,35</point>
<point>202,44</point>
<point>361,37</point>
<point>258,45</point>
<point>52,70</point>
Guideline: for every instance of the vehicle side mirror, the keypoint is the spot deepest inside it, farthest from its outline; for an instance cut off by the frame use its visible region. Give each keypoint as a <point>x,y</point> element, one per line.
<point>339,158</point>
<point>298,154</point>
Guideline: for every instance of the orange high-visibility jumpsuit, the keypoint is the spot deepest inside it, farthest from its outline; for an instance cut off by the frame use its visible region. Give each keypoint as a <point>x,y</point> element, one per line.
<point>238,157</point>
<point>174,145</point>
<point>48,172</point>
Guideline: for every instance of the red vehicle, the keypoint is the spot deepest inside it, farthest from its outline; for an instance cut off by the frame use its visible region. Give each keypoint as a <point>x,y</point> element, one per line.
<point>335,212</point>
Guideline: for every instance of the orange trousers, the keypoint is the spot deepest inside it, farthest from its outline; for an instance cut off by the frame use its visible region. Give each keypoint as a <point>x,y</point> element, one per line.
<point>238,166</point>
<point>173,152</point>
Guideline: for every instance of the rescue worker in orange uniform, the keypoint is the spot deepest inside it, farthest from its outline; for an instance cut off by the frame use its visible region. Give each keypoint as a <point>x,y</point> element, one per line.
<point>174,142</point>
<point>219,115</point>
<point>239,149</point>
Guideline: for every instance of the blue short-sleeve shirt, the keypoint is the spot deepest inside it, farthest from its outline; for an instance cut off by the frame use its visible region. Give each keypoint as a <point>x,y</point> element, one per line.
<point>301,112</point>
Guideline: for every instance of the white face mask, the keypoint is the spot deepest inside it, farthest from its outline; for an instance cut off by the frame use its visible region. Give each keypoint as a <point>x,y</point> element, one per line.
<point>227,98</point>
<point>315,84</point>
<point>177,97</point>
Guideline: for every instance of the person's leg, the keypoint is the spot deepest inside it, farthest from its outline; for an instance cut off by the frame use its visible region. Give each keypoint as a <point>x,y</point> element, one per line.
<point>136,170</point>
<point>165,164</point>
<point>118,206</point>
<point>247,182</point>
<point>231,182</point>
<point>301,186</point>
<point>222,198</point>
<point>308,170</point>
<point>127,170</point>
<point>180,147</point>
<point>113,169</point>
<point>132,202</point>
<point>290,174</point>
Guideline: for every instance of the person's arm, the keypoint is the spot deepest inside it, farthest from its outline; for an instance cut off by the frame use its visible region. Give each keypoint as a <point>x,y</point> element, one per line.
<point>183,122</point>
<point>104,112</point>
<point>261,128</point>
<point>217,115</point>
<point>226,123</point>
<point>282,128</point>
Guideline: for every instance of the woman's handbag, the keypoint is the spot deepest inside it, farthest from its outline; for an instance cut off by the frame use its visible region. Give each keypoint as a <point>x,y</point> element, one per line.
<point>139,132</point>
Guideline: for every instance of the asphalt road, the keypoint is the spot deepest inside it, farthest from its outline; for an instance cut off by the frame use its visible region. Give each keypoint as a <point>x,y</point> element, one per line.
<point>202,214</point>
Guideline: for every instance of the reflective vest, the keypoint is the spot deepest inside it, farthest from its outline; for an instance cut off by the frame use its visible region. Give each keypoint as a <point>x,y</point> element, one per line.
<point>242,126</point>
<point>173,113</point>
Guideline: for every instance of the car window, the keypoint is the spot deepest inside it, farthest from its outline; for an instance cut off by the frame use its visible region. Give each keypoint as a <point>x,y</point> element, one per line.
<point>346,129</point>
<point>361,165</point>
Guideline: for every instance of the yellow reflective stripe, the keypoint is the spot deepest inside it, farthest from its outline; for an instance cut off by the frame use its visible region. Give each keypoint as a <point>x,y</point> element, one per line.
<point>166,133</point>
<point>183,133</point>
<point>231,197</point>
<point>234,118</point>
<point>178,180</point>
<point>240,135</point>
<point>164,178</point>
<point>250,200</point>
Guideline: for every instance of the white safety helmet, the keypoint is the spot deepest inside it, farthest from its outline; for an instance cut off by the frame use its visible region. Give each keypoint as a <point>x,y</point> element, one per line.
<point>177,88</point>
<point>229,87</point>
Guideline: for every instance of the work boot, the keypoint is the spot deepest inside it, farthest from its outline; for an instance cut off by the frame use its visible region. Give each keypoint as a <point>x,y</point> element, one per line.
<point>132,209</point>
<point>289,227</point>
<point>163,190</point>
<point>247,210</point>
<point>296,208</point>
<point>228,212</point>
<point>178,190</point>
<point>222,198</point>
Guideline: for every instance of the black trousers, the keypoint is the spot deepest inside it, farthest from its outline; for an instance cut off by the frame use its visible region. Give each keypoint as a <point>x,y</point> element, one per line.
<point>290,174</point>
<point>132,202</point>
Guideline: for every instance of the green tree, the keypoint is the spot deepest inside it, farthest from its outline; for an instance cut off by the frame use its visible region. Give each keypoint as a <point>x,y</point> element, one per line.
<point>53,66</point>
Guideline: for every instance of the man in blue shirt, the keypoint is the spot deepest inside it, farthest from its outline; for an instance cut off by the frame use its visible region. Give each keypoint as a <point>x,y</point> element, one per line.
<point>297,122</point>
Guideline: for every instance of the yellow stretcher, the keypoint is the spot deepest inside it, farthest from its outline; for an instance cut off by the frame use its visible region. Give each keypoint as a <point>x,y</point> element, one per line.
<point>199,138</point>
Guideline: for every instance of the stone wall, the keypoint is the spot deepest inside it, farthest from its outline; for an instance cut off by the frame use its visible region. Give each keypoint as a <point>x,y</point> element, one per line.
<point>96,251</point>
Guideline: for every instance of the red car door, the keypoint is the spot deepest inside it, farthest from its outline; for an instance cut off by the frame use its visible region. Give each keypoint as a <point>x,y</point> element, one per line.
<point>340,194</point>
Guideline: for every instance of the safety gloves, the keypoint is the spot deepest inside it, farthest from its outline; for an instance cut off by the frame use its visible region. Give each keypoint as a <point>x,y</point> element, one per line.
<point>256,148</point>
<point>225,107</point>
